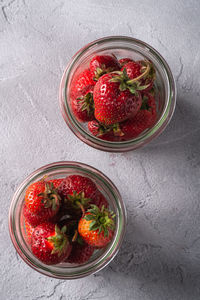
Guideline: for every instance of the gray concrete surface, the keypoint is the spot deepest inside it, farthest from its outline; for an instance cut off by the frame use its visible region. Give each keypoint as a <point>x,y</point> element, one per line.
<point>160,257</point>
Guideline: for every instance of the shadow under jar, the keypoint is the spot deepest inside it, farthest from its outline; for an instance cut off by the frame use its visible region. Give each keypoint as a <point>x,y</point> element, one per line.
<point>121,47</point>
<point>100,257</point>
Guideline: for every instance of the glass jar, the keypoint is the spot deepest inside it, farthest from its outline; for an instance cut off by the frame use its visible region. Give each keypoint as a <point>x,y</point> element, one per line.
<point>135,49</point>
<point>100,258</point>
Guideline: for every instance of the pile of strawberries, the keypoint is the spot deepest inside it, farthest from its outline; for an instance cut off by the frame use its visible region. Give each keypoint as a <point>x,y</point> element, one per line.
<point>115,97</point>
<point>66,219</point>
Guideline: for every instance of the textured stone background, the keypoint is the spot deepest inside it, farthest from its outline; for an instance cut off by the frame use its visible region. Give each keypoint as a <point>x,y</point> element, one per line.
<point>160,257</point>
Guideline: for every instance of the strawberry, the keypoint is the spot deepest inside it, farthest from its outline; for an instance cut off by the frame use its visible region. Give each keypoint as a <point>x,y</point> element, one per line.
<point>114,99</point>
<point>130,128</point>
<point>78,191</point>
<point>98,129</point>
<point>133,69</point>
<point>32,219</point>
<point>100,201</point>
<point>103,132</point>
<point>135,126</point>
<point>149,103</point>
<point>80,253</point>
<point>83,105</point>
<point>42,199</point>
<point>124,61</point>
<point>50,244</point>
<point>29,230</point>
<point>80,82</point>
<point>142,70</point>
<point>102,64</point>
<point>108,137</point>
<point>144,119</point>
<point>56,182</point>
<point>97,226</point>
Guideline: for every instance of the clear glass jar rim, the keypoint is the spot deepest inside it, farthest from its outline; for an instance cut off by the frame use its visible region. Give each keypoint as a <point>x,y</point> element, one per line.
<point>112,249</point>
<point>151,133</point>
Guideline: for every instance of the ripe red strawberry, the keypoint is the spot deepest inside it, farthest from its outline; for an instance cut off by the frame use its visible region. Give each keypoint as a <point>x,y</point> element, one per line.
<point>108,133</point>
<point>32,219</point>
<point>83,105</point>
<point>80,253</point>
<point>78,191</point>
<point>124,61</point>
<point>102,64</point>
<point>140,69</point>
<point>78,184</point>
<point>29,231</point>
<point>98,129</point>
<point>80,82</point>
<point>50,244</point>
<point>36,219</point>
<point>149,103</point>
<point>97,226</point>
<point>109,136</point>
<point>56,182</point>
<point>100,201</point>
<point>114,100</point>
<point>42,199</point>
<point>135,126</point>
<point>133,69</point>
<point>144,119</point>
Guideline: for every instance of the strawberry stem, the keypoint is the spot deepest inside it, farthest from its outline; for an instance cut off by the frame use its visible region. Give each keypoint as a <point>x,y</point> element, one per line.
<point>144,74</point>
<point>81,207</point>
<point>102,129</point>
<point>133,85</point>
<point>117,130</point>
<point>55,201</point>
<point>75,236</point>
<point>44,178</point>
<point>50,197</point>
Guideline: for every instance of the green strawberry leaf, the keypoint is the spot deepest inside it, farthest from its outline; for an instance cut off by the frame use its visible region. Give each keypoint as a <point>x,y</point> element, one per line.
<point>105,231</point>
<point>132,89</point>
<point>123,86</point>
<point>93,226</point>
<point>89,217</point>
